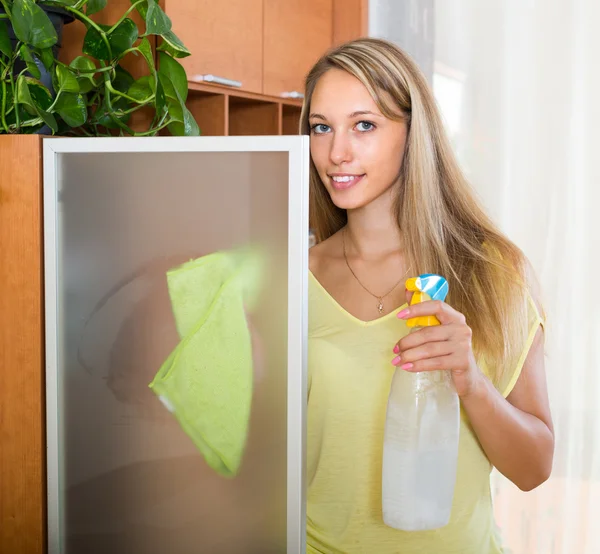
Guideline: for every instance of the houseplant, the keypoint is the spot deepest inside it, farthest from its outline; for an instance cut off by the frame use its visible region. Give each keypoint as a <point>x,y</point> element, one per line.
<point>93,95</point>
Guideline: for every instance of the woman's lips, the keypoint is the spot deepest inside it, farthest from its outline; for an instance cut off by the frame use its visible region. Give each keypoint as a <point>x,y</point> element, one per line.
<point>346,183</point>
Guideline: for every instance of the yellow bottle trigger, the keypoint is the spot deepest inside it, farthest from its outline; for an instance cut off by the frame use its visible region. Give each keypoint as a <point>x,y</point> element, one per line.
<point>427,286</point>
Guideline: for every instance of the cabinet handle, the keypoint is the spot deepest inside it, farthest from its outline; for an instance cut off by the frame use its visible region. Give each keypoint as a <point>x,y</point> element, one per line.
<point>218,80</point>
<point>292,94</point>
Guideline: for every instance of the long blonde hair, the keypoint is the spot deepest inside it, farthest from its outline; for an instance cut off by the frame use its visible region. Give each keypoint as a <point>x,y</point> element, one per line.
<point>445,229</point>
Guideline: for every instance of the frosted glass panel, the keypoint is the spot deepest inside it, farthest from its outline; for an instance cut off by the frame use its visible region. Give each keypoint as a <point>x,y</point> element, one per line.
<point>130,479</point>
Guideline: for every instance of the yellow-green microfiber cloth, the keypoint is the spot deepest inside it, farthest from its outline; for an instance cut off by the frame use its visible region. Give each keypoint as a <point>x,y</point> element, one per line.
<point>207,380</point>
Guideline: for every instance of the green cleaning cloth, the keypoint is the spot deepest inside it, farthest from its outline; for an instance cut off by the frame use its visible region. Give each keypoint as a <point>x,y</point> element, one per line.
<point>207,380</point>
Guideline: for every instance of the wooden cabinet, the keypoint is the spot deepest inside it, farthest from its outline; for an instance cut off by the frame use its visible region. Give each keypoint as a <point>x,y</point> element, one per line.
<point>22,429</point>
<point>221,111</point>
<point>350,20</point>
<point>225,38</point>
<point>267,45</point>
<point>296,34</point>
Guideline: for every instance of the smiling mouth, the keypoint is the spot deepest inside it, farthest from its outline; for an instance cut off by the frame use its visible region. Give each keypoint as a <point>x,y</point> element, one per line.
<point>343,182</point>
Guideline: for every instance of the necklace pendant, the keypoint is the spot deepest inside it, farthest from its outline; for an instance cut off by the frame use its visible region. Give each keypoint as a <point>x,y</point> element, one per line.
<point>380,306</point>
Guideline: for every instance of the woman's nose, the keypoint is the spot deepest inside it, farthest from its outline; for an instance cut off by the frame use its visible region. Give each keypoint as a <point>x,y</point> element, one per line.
<point>340,149</point>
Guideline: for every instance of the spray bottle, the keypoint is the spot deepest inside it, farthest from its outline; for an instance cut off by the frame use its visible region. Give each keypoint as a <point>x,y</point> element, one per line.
<point>422,425</point>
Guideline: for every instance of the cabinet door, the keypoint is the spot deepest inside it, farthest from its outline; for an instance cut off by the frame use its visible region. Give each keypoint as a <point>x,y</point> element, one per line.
<point>296,34</point>
<point>350,20</point>
<point>128,473</point>
<point>225,38</point>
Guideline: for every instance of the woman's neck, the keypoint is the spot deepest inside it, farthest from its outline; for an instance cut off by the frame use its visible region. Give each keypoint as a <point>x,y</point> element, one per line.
<point>372,233</point>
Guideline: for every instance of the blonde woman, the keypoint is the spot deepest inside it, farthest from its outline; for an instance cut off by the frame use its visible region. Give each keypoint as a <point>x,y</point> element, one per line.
<point>389,201</point>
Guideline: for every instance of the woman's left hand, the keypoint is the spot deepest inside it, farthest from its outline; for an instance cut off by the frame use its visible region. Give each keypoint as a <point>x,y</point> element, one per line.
<point>440,347</point>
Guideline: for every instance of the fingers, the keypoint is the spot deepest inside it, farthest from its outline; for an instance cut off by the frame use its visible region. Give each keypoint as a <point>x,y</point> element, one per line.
<point>444,312</point>
<point>424,352</point>
<point>429,364</point>
<point>427,334</point>
<point>432,348</point>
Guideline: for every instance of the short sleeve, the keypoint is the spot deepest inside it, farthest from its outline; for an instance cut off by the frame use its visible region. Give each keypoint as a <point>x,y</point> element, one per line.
<point>510,377</point>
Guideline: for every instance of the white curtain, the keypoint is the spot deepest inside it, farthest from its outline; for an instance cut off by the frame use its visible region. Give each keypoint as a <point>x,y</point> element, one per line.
<point>518,82</point>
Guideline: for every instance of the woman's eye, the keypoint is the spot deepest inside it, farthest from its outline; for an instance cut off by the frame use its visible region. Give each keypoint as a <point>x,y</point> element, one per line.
<point>364,126</point>
<point>320,128</point>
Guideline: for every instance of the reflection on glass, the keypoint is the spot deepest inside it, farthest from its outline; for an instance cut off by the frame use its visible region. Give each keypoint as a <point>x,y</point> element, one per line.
<point>132,479</point>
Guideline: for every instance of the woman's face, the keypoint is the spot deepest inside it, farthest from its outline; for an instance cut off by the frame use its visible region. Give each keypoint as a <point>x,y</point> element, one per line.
<point>357,151</point>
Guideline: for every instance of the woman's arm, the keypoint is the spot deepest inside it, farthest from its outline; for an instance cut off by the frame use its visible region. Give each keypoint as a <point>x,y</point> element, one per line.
<point>516,433</point>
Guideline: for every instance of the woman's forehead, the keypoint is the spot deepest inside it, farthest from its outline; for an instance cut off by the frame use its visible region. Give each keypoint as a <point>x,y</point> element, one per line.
<point>340,92</point>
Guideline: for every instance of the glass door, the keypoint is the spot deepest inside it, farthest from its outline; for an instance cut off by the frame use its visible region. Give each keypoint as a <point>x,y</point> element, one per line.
<point>166,432</point>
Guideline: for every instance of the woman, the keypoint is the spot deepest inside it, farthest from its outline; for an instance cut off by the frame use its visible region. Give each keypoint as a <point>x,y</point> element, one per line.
<point>388,202</point>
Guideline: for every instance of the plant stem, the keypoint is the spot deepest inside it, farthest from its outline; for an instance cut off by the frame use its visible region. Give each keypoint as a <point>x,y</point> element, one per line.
<point>15,103</point>
<point>124,16</point>
<point>81,4</point>
<point>108,87</point>
<point>86,19</point>
<point>122,94</point>
<point>29,123</point>
<point>4,106</point>
<point>152,131</point>
<point>51,107</point>
<point>86,133</point>
<point>8,68</point>
<point>135,108</point>
<point>5,6</point>
<point>78,71</point>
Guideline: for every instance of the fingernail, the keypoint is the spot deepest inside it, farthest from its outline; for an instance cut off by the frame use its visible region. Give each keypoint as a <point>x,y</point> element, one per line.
<point>402,314</point>
<point>406,366</point>
<point>396,349</point>
<point>396,360</point>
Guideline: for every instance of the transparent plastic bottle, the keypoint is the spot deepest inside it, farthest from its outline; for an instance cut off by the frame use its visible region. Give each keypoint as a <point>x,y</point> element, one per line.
<point>422,426</point>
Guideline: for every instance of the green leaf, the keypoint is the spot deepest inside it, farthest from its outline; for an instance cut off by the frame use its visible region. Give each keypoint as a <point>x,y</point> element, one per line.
<point>186,127</point>
<point>47,57</point>
<point>5,44</point>
<point>172,45</point>
<point>36,98</point>
<point>66,80</point>
<point>94,6</point>
<point>146,49</point>
<point>24,116</point>
<point>82,63</point>
<point>172,76</point>
<point>104,113</point>
<point>72,109</point>
<point>157,21</point>
<point>122,80</point>
<point>121,39</point>
<point>173,80</point>
<point>141,90</point>
<point>93,45</point>
<point>27,57</point>
<point>85,80</point>
<point>161,101</point>
<point>141,8</point>
<point>31,24</point>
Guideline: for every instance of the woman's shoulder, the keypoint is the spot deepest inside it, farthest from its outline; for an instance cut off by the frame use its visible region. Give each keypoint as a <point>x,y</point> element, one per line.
<point>323,253</point>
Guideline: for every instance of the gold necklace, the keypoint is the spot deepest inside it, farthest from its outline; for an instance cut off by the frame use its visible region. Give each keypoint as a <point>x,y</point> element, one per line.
<point>379,298</point>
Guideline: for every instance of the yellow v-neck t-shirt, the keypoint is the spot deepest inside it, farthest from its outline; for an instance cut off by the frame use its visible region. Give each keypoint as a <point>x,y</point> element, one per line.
<point>350,373</point>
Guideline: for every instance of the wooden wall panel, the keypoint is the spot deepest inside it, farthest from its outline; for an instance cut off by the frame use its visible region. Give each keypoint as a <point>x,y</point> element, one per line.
<point>350,20</point>
<point>22,390</point>
<point>224,37</point>
<point>296,35</point>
